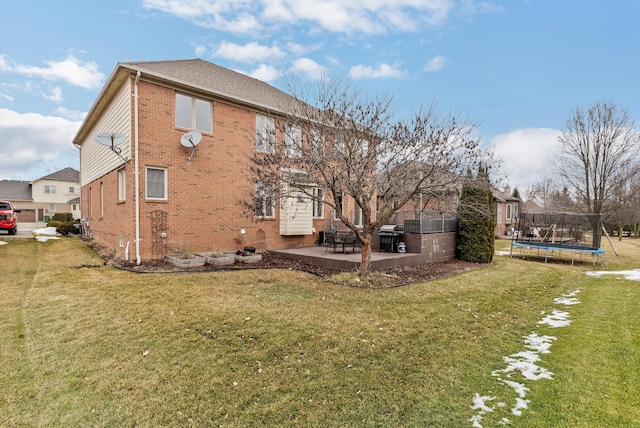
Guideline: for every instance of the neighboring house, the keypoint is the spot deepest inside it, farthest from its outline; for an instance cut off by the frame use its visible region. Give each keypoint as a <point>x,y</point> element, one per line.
<point>41,199</point>
<point>532,208</point>
<point>506,209</point>
<point>150,194</point>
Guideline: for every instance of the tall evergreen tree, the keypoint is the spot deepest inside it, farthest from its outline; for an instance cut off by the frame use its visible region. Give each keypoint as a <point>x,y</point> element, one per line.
<point>476,219</point>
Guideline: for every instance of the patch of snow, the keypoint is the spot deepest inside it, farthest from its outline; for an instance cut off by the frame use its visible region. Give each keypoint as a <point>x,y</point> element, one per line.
<point>479,403</point>
<point>567,301</point>
<point>540,344</point>
<point>525,363</point>
<point>502,253</point>
<point>556,319</point>
<point>3,242</point>
<point>632,275</point>
<point>45,233</point>
<point>520,404</point>
<point>45,238</point>
<point>519,388</point>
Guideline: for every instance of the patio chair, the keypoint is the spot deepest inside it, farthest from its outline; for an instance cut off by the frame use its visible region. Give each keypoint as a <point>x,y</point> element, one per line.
<point>330,240</point>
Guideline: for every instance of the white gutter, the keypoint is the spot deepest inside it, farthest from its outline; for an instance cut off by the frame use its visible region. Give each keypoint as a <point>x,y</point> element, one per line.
<point>136,172</point>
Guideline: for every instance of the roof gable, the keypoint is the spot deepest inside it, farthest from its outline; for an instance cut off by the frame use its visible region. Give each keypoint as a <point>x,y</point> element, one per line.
<point>66,174</point>
<point>218,80</point>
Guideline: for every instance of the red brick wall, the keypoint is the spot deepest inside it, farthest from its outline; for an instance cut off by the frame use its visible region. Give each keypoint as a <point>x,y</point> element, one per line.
<point>203,214</point>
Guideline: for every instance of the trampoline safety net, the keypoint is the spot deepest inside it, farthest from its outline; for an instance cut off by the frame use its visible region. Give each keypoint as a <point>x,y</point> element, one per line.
<point>561,230</point>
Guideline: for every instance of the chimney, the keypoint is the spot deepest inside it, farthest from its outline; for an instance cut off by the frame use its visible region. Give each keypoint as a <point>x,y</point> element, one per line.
<point>507,190</point>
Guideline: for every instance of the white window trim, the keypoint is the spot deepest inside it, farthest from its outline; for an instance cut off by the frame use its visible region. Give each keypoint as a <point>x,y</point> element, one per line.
<point>194,113</point>
<point>165,184</point>
<point>265,134</point>
<point>293,141</point>
<point>122,185</point>
<point>264,197</point>
<point>101,200</point>
<point>318,203</point>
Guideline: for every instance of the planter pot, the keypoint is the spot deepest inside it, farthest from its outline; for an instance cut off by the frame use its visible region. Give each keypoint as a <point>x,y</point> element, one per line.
<point>185,260</point>
<point>253,258</point>
<point>217,258</point>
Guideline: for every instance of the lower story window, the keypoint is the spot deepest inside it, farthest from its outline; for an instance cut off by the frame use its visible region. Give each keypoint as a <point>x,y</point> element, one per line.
<point>265,200</point>
<point>318,203</point>
<point>156,183</point>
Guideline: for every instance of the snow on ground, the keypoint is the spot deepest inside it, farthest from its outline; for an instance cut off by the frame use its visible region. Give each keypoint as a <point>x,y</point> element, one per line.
<point>45,233</point>
<point>525,363</point>
<point>632,275</point>
<point>556,319</point>
<point>3,242</point>
<point>502,253</point>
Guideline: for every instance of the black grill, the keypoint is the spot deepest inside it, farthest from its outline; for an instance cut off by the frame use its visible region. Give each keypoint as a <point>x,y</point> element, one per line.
<point>389,238</point>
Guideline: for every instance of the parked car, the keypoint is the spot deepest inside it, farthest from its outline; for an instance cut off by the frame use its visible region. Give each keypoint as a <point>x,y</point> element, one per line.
<point>8,218</point>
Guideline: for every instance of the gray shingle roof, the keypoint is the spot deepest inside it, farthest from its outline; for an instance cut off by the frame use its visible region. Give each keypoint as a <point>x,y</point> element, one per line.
<point>218,80</point>
<point>66,174</point>
<point>15,190</point>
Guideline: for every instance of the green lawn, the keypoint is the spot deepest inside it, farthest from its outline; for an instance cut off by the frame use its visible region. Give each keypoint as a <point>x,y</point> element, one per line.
<point>83,344</point>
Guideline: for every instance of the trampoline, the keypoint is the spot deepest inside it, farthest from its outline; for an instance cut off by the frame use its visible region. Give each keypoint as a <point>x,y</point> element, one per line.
<point>553,233</point>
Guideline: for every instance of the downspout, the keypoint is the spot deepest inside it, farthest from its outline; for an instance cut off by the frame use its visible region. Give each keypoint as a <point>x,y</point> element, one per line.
<point>136,172</point>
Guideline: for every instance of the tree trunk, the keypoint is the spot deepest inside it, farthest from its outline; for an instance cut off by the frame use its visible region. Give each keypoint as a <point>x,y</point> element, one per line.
<point>365,262</point>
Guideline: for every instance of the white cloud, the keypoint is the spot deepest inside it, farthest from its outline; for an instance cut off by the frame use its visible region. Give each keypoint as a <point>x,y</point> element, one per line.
<point>527,155</point>
<point>312,69</point>
<point>249,53</point>
<point>55,95</point>
<point>71,70</point>
<point>264,72</point>
<point>73,115</point>
<point>30,140</point>
<point>200,50</point>
<point>381,71</point>
<point>353,16</point>
<point>6,97</point>
<point>436,64</point>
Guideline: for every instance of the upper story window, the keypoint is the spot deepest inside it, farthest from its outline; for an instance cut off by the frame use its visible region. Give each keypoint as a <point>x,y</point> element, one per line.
<point>72,190</point>
<point>293,141</point>
<point>50,189</point>
<point>316,143</point>
<point>265,133</point>
<point>193,113</point>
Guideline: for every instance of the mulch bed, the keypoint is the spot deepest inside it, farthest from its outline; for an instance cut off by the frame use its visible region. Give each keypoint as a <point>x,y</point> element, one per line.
<point>389,278</point>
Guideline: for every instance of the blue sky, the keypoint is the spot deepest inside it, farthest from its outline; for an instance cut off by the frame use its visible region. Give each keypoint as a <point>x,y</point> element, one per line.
<point>518,67</point>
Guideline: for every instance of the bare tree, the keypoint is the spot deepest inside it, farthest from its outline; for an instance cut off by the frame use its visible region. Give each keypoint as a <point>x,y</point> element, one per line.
<point>350,145</point>
<point>598,153</point>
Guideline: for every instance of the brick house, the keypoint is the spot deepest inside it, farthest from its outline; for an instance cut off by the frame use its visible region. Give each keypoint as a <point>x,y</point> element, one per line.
<point>506,209</point>
<point>149,194</point>
<point>40,199</point>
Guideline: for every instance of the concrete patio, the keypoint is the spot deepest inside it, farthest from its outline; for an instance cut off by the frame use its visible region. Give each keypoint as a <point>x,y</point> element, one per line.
<point>349,261</point>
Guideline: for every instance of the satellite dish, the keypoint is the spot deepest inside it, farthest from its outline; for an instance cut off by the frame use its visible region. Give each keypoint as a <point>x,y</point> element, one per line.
<point>191,139</point>
<point>110,138</point>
